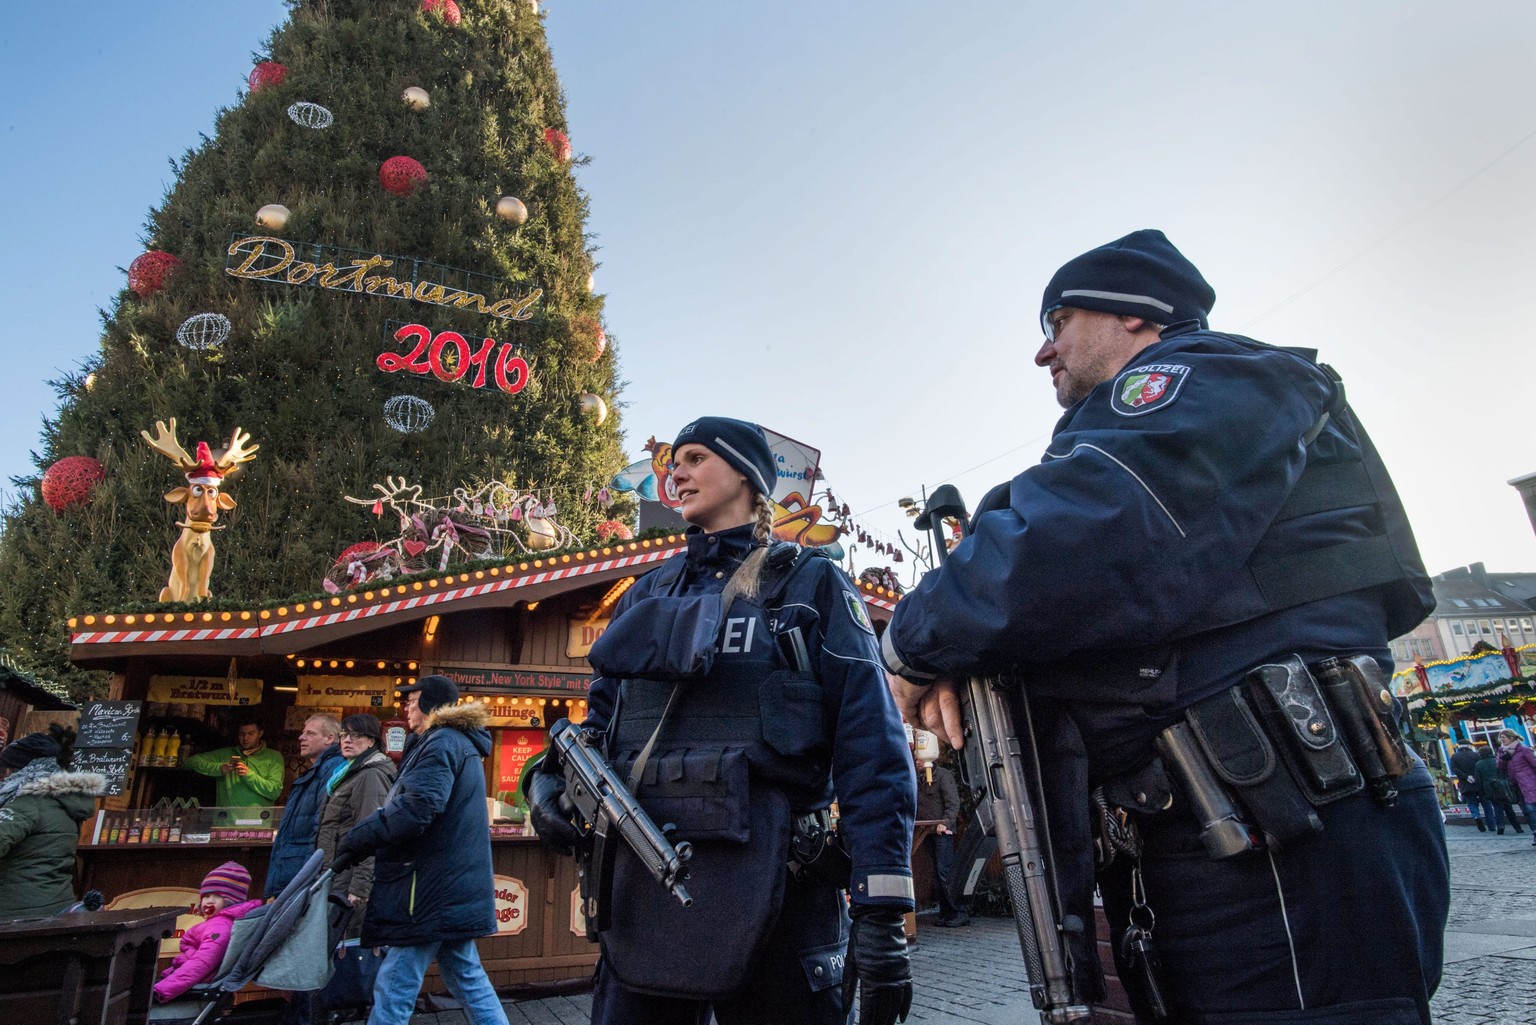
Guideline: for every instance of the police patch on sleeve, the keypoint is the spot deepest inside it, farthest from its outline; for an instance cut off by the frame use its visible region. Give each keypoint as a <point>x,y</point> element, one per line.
<point>858,613</point>
<point>1148,388</point>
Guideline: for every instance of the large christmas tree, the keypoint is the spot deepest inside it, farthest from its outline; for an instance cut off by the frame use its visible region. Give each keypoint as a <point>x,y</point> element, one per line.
<point>359,187</point>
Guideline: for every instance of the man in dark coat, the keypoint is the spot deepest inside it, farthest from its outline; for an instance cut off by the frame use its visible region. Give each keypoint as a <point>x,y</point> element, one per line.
<point>1464,766</point>
<point>431,844</point>
<point>938,799</point>
<point>295,840</point>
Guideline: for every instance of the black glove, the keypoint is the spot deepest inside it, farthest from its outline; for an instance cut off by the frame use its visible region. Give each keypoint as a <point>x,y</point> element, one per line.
<point>877,961</point>
<point>546,791</point>
<point>343,860</point>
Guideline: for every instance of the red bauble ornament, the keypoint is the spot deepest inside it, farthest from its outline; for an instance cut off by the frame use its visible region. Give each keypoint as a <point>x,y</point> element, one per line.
<point>266,73</point>
<point>402,176</point>
<point>150,272</point>
<point>613,528</point>
<point>447,8</point>
<point>558,144</point>
<point>70,480</point>
<point>591,328</point>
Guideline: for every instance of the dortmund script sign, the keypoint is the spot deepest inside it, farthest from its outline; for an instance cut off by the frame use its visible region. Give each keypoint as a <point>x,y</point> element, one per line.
<point>261,258</point>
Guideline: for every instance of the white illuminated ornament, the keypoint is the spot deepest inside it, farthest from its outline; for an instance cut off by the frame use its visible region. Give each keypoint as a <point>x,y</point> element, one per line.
<point>203,331</point>
<point>408,414</point>
<point>310,115</point>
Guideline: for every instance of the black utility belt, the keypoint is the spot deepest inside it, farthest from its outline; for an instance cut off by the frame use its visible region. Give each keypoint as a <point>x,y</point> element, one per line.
<point>1257,760</point>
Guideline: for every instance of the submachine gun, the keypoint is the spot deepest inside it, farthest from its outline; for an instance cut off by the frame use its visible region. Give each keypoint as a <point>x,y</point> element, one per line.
<point>1008,815</point>
<point>605,806</point>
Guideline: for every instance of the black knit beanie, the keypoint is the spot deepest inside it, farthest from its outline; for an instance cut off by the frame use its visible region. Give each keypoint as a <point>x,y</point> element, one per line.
<point>1140,275</point>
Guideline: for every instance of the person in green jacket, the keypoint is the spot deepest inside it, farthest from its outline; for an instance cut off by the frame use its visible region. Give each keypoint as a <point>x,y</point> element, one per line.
<point>41,808</point>
<point>250,773</point>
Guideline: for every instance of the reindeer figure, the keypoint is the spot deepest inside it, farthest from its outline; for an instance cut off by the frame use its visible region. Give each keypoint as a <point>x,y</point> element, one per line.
<point>192,555</point>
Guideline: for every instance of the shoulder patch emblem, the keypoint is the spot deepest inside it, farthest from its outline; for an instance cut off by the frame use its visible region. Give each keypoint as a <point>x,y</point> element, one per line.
<point>858,612</point>
<point>1147,388</point>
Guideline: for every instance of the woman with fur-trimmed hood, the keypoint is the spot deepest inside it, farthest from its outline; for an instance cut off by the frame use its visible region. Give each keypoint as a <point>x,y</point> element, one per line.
<point>41,808</point>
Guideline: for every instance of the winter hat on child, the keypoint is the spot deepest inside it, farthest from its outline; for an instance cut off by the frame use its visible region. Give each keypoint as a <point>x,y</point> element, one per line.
<point>20,753</point>
<point>230,881</point>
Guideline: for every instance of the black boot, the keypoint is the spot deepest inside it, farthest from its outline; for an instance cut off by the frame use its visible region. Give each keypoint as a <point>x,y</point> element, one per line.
<point>1480,827</point>
<point>1501,830</point>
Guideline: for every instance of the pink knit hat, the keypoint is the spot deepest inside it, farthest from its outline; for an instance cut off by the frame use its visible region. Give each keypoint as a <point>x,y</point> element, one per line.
<point>230,880</point>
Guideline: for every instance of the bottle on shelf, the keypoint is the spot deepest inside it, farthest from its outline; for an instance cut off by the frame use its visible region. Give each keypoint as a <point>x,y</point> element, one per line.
<point>174,836</point>
<point>162,743</point>
<point>136,832</point>
<point>138,749</point>
<point>173,750</point>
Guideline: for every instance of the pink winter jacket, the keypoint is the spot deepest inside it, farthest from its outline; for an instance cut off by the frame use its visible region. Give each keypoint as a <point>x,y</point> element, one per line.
<point>1519,764</point>
<point>202,949</point>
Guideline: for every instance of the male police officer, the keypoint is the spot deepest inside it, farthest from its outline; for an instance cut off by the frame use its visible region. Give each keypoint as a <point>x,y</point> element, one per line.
<point>1208,527</point>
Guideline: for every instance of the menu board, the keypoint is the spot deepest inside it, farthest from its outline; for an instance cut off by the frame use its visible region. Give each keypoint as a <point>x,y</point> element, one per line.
<point>108,724</point>
<point>104,741</point>
<point>111,762</point>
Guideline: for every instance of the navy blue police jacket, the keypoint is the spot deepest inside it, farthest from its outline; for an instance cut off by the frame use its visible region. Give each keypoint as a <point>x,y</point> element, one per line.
<point>431,841</point>
<point>1119,574</point>
<point>871,771</point>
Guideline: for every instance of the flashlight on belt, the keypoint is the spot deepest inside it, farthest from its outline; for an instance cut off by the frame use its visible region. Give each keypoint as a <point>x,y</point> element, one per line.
<point>1222,828</point>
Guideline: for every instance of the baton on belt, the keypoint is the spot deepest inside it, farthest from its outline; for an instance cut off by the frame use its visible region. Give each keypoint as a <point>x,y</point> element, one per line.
<point>1006,818</point>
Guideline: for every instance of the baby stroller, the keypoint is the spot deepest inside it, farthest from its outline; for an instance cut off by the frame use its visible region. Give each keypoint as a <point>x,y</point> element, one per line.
<point>285,945</point>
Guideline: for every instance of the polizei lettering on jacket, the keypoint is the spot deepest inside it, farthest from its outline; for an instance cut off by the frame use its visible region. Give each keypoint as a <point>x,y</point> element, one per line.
<point>736,638</point>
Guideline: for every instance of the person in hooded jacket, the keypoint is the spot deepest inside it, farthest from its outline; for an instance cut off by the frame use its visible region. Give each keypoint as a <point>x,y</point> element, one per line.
<point>794,697</point>
<point>431,845</point>
<point>1464,764</point>
<point>358,787</point>
<point>41,808</point>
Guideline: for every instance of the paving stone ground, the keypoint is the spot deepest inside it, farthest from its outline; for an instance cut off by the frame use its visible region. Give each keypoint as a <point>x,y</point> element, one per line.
<point>974,976</point>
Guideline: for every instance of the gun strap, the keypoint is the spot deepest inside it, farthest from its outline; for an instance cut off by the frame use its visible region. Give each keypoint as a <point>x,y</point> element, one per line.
<point>727,596</point>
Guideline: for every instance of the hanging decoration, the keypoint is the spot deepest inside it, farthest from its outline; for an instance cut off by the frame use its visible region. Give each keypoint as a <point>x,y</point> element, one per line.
<point>408,414</point>
<point>192,555</point>
<point>559,144</point>
<point>613,529</point>
<point>448,10</point>
<point>416,97</point>
<point>265,74</point>
<point>273,217</point>
<point>450,357</point>
<point>90,381</point>
<point>310,115</point>
<point>511,209</point>
<point>152,271</point>
<point>260,258</point>
<point>591,281</point>
<point>69,482</point>
<point>490,521</point>
<point>203,331</point>
<point>401,176</point>
<point>594,406</point>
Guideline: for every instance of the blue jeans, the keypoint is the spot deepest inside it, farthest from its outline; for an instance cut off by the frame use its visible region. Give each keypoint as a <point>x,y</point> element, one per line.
<point>394,992</point>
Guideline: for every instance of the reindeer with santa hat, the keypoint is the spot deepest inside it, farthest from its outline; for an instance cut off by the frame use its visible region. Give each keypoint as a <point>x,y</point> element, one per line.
<point>192,555</point>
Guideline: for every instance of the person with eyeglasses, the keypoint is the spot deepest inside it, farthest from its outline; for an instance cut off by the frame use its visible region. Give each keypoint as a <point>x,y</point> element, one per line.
<point>355,790</point>
<point>1210,546</point>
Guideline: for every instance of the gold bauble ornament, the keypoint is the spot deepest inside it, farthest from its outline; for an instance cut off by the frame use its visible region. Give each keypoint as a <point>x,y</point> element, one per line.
<point>273,216</point>
<point>90,381</point>
<point>416,97</point>
<point>511,209</point>
<point>591,282</point>
<point>593,405</point>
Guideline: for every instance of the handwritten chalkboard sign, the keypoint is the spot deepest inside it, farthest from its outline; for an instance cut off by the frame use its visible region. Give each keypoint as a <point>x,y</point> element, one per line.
<point>108,724</point>
<point>111,762</point>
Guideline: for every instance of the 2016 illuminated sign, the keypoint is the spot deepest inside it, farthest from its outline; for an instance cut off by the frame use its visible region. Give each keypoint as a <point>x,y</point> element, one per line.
<point>449,356</point>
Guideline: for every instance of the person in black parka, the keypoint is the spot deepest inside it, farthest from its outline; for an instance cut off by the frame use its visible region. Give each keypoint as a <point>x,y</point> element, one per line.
<point>431,844</point>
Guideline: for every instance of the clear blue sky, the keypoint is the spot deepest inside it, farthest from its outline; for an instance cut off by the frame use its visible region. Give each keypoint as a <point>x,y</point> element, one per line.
<point>837,219</point>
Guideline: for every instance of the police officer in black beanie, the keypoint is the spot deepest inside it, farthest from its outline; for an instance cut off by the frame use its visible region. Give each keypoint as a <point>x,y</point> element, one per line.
<point>1204,571</point>
<point>741,759</point>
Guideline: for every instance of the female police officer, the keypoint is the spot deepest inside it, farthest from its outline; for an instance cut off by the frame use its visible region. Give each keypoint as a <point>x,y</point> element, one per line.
<point>741,759</point>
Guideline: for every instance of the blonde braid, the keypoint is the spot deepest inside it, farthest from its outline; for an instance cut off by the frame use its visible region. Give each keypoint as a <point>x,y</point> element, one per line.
<point>748,577</point>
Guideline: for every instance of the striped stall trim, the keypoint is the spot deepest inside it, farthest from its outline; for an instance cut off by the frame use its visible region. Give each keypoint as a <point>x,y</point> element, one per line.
<point>382,608</point>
